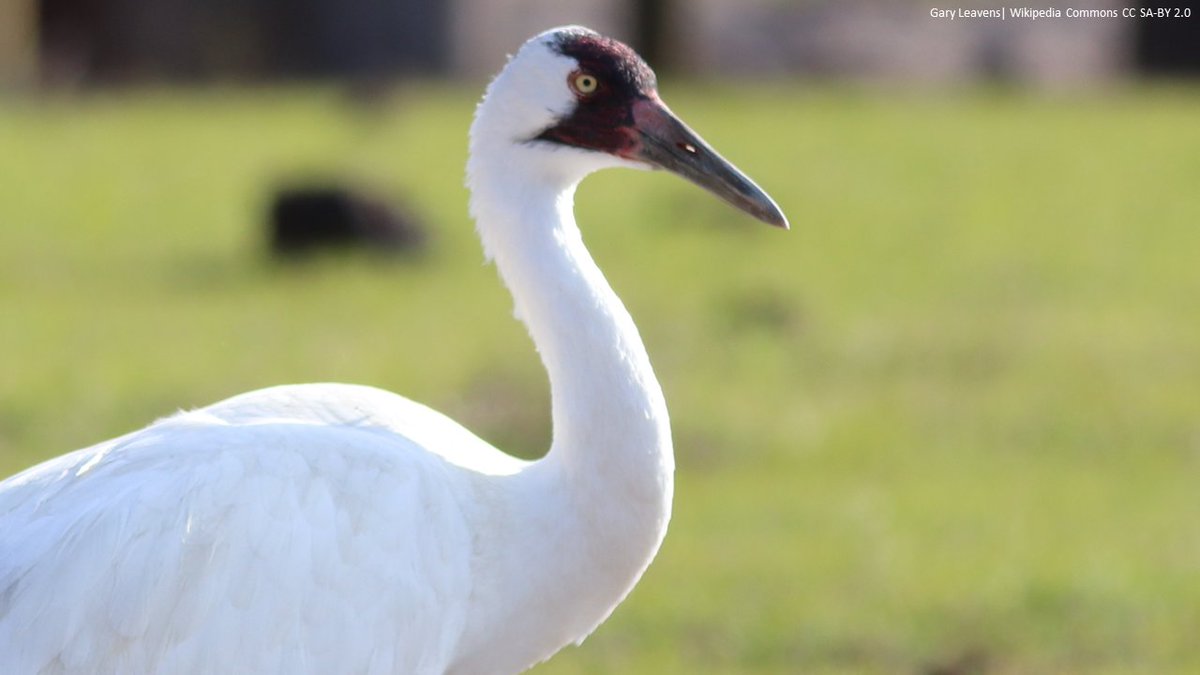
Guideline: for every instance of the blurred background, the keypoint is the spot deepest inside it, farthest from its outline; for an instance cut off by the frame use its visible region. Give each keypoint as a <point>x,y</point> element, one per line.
<point>949,424</point>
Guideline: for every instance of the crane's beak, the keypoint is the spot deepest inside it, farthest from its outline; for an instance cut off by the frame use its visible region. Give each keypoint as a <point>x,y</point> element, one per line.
<point>665,141</point>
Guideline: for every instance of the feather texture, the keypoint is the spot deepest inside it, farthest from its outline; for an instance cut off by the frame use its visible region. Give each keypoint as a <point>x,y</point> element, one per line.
<point>322,538</point>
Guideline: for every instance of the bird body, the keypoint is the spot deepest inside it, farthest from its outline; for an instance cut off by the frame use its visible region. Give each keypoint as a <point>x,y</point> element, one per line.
<point>317,528</point>
<point>269,533</point>
<point>333,528</point>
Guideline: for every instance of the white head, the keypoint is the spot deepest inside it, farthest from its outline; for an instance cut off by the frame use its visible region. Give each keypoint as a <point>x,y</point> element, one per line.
<point>572,101</point>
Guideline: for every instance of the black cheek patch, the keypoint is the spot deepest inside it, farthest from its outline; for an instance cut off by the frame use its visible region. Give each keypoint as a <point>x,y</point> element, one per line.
<point>596,125</point>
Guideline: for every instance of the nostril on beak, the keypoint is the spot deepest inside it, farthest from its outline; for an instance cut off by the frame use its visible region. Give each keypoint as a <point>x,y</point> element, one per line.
<point>686,147</point>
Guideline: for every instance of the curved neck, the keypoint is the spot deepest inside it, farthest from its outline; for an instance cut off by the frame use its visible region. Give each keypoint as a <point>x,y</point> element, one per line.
<point>610,419</point>
<point>581,524</point>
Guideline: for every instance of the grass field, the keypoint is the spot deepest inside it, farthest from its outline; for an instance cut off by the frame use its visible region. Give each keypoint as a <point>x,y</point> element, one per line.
<point>949,424</point>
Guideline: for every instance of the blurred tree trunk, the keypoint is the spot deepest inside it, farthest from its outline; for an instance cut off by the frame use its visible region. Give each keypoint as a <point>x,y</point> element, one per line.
<point>652,32</point>
<point>18,40</point>
<point>1169,46</point>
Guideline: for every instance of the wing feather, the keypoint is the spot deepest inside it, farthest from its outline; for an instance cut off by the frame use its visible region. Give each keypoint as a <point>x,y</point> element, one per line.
<point>209,543</point>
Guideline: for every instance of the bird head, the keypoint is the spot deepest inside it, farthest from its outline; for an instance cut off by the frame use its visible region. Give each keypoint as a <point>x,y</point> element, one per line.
<point>574,101</point>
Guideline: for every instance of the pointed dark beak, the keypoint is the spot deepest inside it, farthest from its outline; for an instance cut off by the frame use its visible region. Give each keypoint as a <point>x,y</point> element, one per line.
<point>666,142</point>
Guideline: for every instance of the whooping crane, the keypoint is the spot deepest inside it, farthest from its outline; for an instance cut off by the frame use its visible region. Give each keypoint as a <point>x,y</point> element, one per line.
<point>330,528</point>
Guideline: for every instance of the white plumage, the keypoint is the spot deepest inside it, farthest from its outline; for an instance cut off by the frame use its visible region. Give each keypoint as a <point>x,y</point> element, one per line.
<point>329,528</point>
<point>269,533</point>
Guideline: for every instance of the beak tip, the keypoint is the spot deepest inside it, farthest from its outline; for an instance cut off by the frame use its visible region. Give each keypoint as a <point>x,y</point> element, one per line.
<point>772,215</point>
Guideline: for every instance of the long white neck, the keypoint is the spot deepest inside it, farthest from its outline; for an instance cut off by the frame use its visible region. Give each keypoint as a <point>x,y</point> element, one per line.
<point>598,504</point>
<point>608,409</point>
<point>610,420</point>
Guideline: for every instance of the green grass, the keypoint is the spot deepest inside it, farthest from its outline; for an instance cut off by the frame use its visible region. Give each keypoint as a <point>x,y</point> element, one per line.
<point>951,421</point>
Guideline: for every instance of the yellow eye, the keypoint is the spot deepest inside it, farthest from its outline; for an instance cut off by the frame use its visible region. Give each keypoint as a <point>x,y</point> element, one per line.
<point>584,83</point>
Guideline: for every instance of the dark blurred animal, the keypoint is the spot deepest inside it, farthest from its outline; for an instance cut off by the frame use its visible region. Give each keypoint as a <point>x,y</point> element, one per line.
<point>312,218</point>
